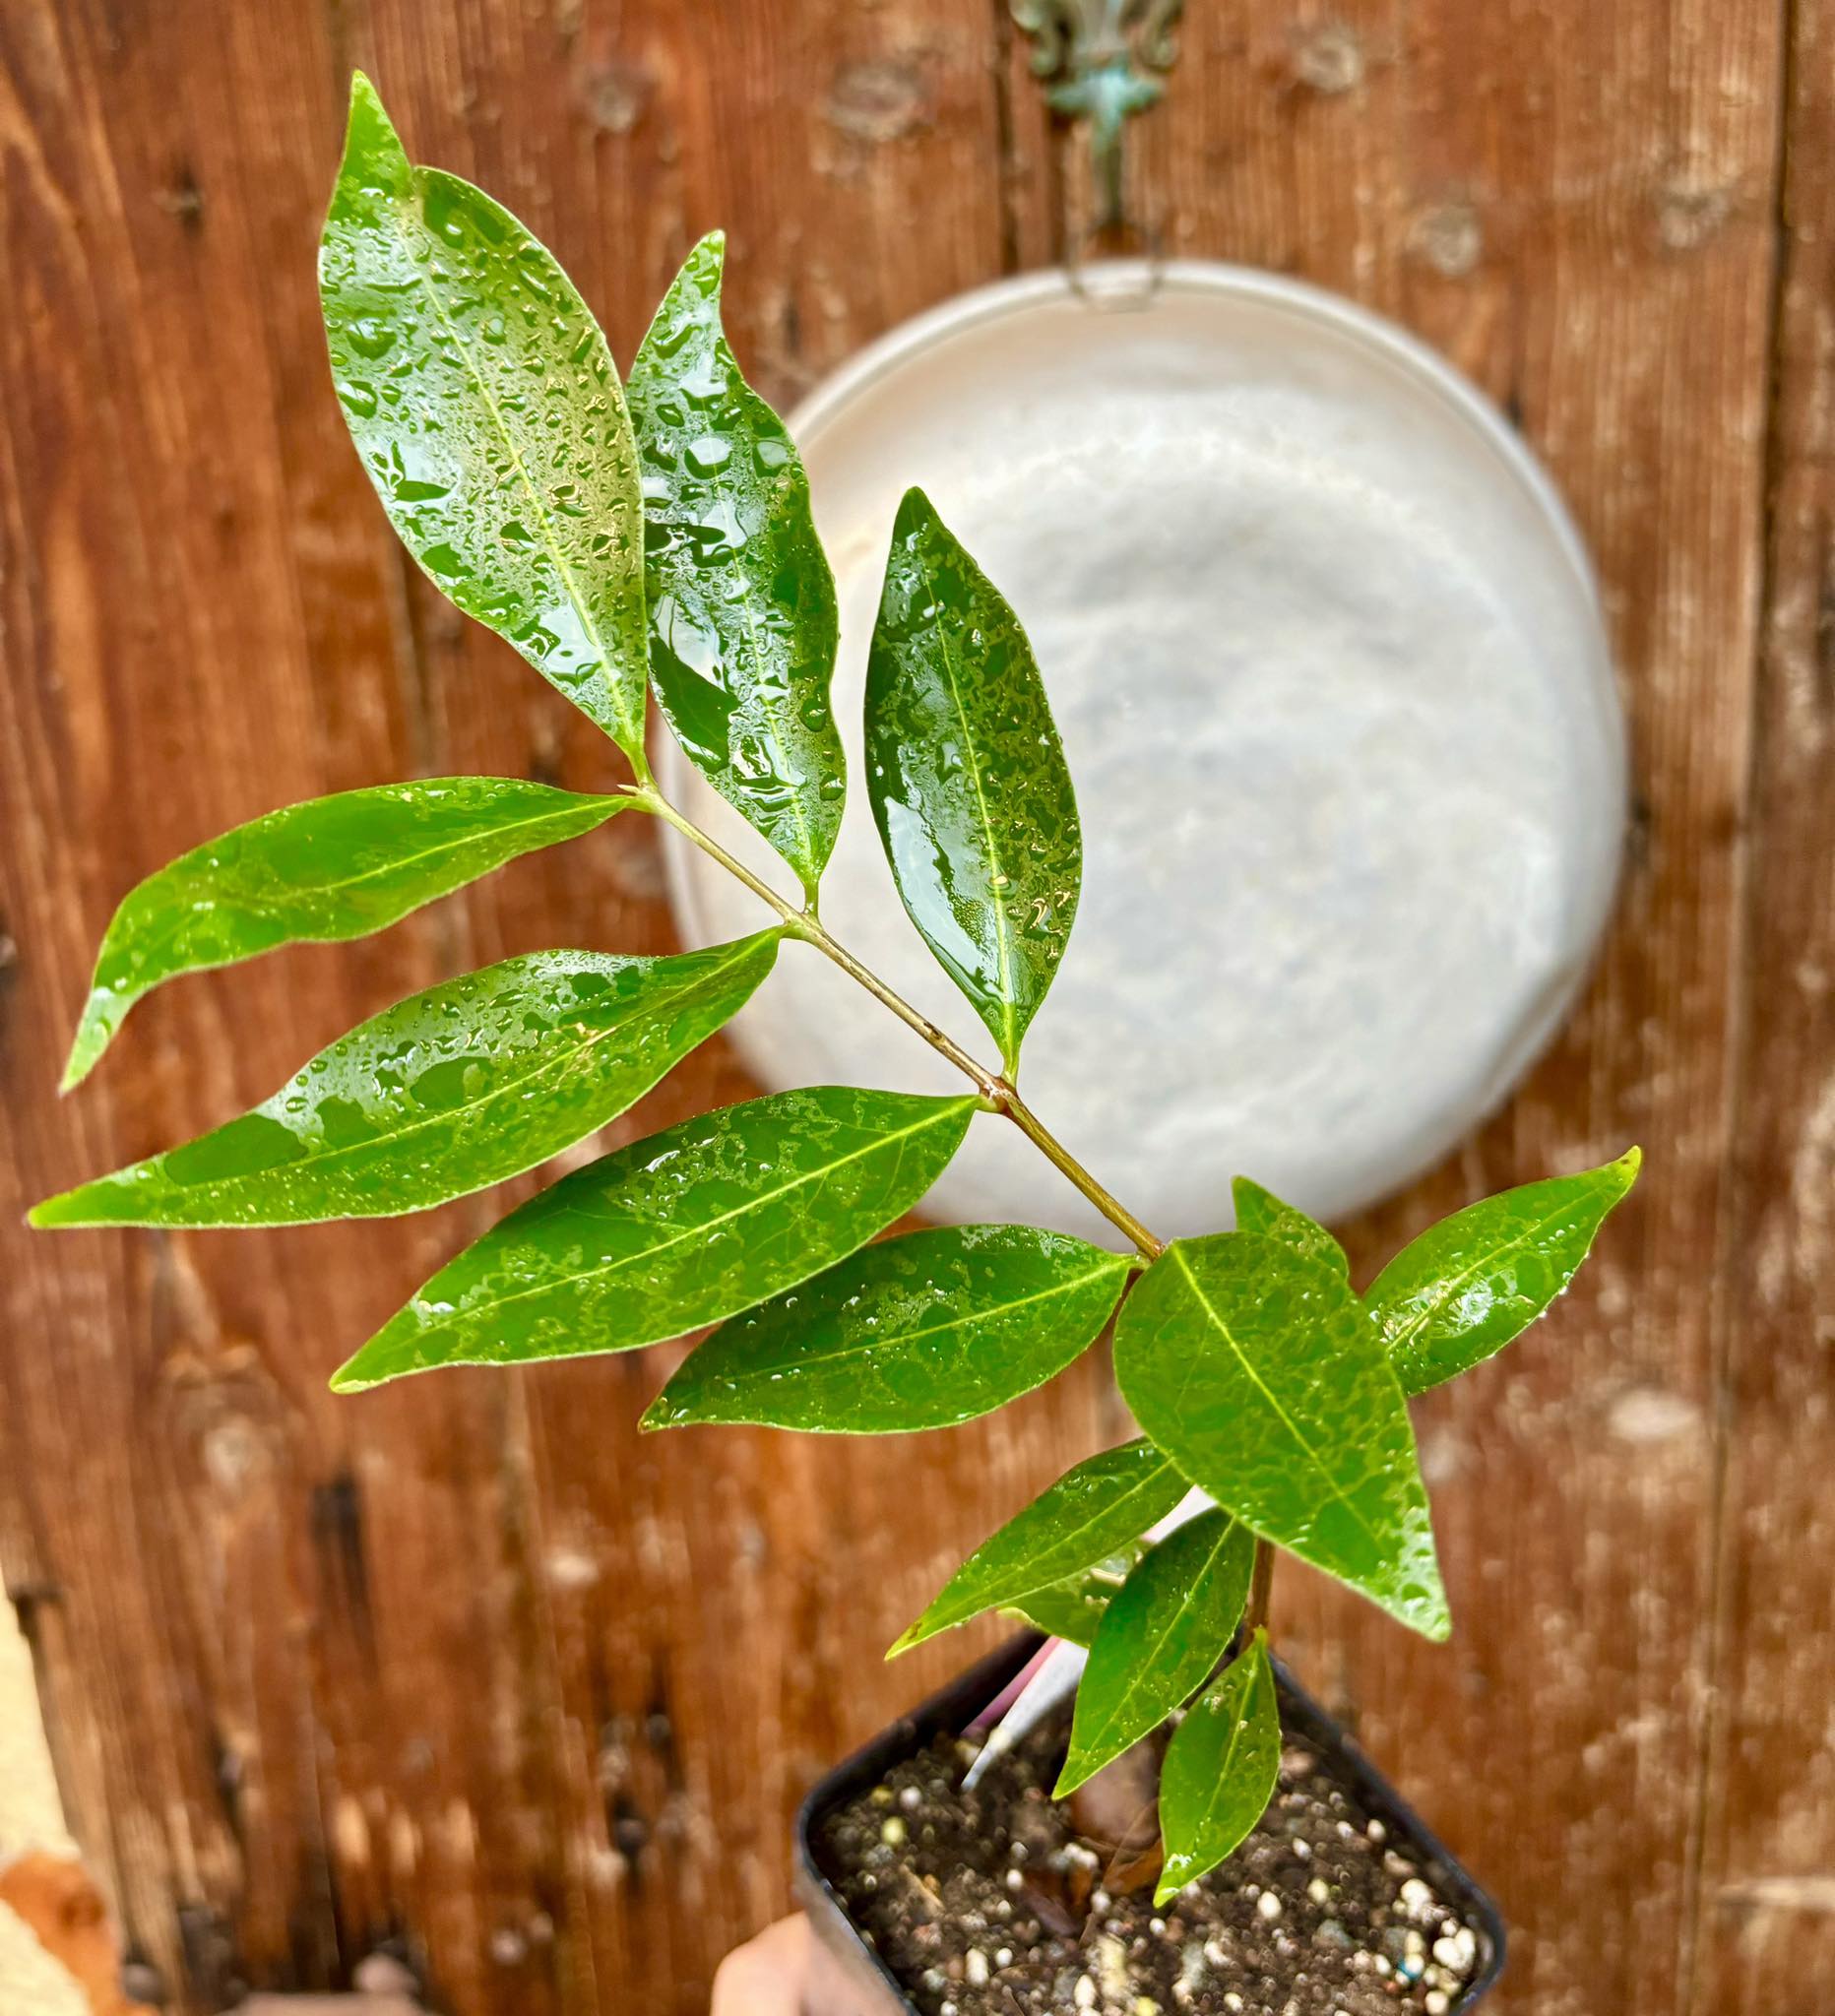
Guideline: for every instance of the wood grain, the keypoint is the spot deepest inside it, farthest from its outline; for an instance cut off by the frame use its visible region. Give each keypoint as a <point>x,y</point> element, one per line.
<point>1762,1936</point>
<point>1578,207</point>
<point>468,1669</point>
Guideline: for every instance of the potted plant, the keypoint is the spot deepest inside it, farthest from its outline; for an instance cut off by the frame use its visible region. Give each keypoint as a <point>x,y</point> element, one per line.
<point>657,539</point>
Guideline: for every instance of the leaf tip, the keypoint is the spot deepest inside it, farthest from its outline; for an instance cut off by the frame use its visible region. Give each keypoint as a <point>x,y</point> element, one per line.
<point>1436,1622</point>
<point>916,513</point>
<point>1165,1890</point>
<point>914,1634</point>
<point>1069,1779</point>
<point>58,1212</point>
<point>365,105</point>
<point>351,1378</point>
<point>369,132</point>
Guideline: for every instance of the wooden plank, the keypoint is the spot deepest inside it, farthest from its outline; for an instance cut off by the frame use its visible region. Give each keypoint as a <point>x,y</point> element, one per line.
<point>200,625</point>
<point>468,1663</point>
<point>1575,205</point>
<point>717,1605</point>
<point>458,1663</point>
<point>1764,1932</point>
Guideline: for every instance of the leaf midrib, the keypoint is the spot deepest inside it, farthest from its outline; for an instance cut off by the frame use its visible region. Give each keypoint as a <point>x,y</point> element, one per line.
<point>1240,1727</point>
<point>846,1350</point>
<point>1451,1284</point>
<point>1280,1412</point>
<point>541,1054</point>
<point>701,1229</point>
<point>642,374</point>
<point>731,365</point>
<point>400,863</point>
<point>587,621</point>
<point>1141,1667</point>
<point>1009,1042</point>
<point>603,809</point>
<point>1140,1487</point>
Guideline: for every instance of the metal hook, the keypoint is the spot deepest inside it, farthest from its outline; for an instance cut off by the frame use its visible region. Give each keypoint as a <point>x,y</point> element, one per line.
<point>1094,57</point>
<point>1127,279</point>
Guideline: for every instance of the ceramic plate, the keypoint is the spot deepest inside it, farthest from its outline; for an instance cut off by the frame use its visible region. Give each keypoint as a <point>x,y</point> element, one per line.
<point>1328,663</point>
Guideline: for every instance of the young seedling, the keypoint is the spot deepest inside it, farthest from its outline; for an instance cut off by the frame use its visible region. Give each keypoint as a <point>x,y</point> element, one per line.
<point>658,539</point>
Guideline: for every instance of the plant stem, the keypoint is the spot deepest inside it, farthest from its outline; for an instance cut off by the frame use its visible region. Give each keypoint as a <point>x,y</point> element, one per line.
<point>1261,1585</point>
<point>1060,1158</point>
<point>999,1091</point>
<point>995,1090</point>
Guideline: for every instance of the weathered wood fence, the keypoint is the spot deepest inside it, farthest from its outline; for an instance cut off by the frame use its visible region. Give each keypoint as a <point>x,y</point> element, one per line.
<point>466,1663</point>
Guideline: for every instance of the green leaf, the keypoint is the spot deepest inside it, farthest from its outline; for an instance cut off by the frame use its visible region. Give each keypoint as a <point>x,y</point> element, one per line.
<point>742,620</point>
<point>452,1090</point>
<point>337,867</point>
<point>1220,1770</point>
<point>922,1332</point>
<point>1263,1376</point>
<point>1468,1284</point>
<point>1073,1608</point>
<point>487,409</point>
<point>675,1231</point>
<point>1090,1511</point>
<point>1261,1210</point>
<point>967,778</point>
<point>1158,1639</point>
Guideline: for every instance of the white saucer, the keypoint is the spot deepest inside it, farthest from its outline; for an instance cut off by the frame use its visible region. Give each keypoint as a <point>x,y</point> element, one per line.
<point>1325,653</point>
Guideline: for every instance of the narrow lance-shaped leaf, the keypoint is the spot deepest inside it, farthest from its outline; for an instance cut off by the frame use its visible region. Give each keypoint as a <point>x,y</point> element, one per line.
<point>922,1332</point>
<point>1159,1640</point>
<point>1468,1284</point>
<point>487,409</point>
<point>1073,1608</point>
<point>967,778</point>
<point>1101,1505</point>
<point>337,867</point>
<point>1261,1374</point>
<point>1220,1770</point>
<point>453,1089</point>
<point>742,621</point>
<point>1261,1210</point>
<point>675,1231</point>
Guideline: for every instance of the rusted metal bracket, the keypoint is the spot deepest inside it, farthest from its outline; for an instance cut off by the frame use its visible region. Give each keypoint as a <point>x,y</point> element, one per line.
<point>1103,61</point>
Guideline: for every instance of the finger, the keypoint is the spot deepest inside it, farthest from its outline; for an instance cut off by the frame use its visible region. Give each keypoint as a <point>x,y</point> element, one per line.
<point>766,1976</point>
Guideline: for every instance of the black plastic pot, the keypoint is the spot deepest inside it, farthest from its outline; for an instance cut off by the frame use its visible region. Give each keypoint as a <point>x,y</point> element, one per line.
<point>950,1711</point>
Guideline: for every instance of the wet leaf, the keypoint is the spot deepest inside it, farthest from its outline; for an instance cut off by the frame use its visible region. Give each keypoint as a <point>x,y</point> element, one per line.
<point>453,1089</point>
<point>487,409</point>
<point>922,1332</point>
<point>1158,1639</point>
<point>1073,1608</point>
<point>967,778</point>
<point>1220,1770</point>
<point>1263,1376</point>
<point>675,1231</point>
<point>1468,1284</point>
<point>1261,1210</point>
<point>1099,1506</point>
<point>335,867</point>
<point>743,622</point>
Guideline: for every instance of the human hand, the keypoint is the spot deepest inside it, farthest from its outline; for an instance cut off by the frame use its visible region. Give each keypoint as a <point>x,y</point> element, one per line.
<point>783,1972</point>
